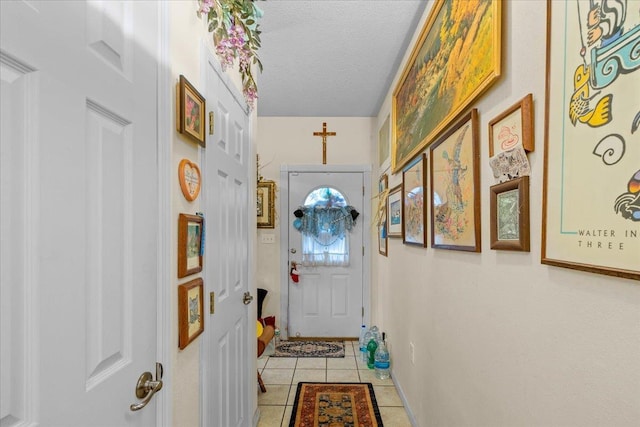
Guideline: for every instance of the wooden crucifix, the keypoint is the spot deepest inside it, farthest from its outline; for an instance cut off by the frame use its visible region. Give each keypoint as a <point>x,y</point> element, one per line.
<point>324,134</point>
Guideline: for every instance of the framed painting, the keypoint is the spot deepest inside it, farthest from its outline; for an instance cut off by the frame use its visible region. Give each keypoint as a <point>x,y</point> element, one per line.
<point>591,191</point>
<point>190,312</point>
<point>394,210</point>
<point>190,249</point>
<point>509,206</point>
<point>383,142</point>
<point>265,204</point>
<point>455,187</point>
<point>383,184</point>
<point>414,181</point>
<point>456,58</point>
<point>191,110</point>
<point>513,127</point>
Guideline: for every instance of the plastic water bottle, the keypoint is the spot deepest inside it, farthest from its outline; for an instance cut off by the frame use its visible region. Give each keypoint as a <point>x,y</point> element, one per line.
<point>371,350</point>
<point>365,341</point>
<point>382,360</point>
<point>361,343</point>
<point>376,333</point>
<point>276,336</point>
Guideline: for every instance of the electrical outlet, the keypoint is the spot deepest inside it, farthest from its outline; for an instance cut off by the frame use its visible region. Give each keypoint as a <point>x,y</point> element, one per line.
<point>412,353</point>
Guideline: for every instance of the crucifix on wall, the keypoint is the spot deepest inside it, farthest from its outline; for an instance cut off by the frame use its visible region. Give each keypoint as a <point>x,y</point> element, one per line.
<point>324,134</point>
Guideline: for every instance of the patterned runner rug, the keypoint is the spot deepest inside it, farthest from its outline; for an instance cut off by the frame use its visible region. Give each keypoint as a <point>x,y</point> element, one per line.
<point>309,349</point>
<point>335,404</point>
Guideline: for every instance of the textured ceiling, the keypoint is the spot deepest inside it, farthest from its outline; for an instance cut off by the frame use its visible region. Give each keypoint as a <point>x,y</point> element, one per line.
<point>331,58</point>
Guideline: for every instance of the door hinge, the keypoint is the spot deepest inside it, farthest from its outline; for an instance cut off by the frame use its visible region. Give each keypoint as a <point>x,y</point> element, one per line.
<point>363,251</point>
<point>210,122</point>
<point>363,190</point>
<point>212,307</point>
<point>362,311</point>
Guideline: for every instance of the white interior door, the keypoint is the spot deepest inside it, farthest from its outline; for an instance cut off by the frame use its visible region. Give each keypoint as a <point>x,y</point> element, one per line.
<point>327,301</point>
<point>227,187</point>
<point>79,211</point>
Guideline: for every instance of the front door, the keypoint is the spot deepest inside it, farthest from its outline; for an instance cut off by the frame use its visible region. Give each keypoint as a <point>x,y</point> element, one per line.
<point>227,188</point>
<point>327,300</point>
<point>79,211</point>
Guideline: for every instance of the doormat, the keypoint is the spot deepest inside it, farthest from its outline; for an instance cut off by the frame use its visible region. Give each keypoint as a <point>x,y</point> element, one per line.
<point>335,404</point>
<point>309,349</point>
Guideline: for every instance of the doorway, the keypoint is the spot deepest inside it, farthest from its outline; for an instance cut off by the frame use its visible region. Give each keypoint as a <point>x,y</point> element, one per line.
<point>332,294</point>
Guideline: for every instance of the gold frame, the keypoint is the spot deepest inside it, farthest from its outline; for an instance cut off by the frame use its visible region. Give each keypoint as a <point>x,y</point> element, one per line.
<point>194,132</point>
<point>468,153</point>
<point>519,186</point>
<point>265,209</point>
<point>414,129</point>
<point>189,264</point>
<point>189,328</point>
<point>523,126</point>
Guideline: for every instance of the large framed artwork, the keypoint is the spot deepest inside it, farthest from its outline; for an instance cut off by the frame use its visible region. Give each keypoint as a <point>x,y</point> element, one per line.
<point>383,142</point>
<point>455,187</point>
<point>266,204</point>
<point>591,193</point>
<point>456,58</point>
<point>414,210</point>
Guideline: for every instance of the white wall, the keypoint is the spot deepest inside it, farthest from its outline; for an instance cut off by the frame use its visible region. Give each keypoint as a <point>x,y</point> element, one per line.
<point>290,140</point>
<point>500,339</point>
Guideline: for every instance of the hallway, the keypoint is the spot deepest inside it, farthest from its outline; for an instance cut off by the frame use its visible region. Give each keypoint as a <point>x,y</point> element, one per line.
<point>281,376</point>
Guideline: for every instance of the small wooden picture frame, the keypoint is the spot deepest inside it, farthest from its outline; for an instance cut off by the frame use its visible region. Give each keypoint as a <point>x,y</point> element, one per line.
<point>383,184</point>
<point>190,312</point>
<point>265,204</point>
<point>190,228</point>
<point>190,179</point>
<point>191,108</point>
<point>514,126</point>
<point>414,209</point>
<point>394,211</point>
<point>510,215</point>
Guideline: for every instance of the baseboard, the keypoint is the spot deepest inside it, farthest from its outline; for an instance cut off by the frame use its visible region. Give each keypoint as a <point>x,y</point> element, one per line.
<point>322,339</point>
<point>407,408</point>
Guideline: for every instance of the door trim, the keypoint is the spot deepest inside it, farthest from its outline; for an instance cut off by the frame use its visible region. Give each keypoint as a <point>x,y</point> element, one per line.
<point>284,236</point>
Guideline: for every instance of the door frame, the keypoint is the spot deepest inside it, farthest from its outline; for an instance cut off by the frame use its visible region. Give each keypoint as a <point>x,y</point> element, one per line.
<point>284,235</point>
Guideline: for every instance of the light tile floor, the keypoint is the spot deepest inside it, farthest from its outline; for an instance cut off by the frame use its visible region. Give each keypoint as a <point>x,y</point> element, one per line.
<point>281,376</point>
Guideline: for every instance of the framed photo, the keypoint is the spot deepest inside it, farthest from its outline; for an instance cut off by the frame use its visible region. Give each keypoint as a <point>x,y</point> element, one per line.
<point>394,210</point>
<point>383,184</point>
<point>190,312</point>
<point>510,215</point>
<point>191,112</point>
<point>455,187</point>
<point>383,142</point>
<point>265,204</point>
<point>414,213</point>
<point>190,179</point>
<point>456,58</point>
<point>512,128</point>
<point>190,229</point>
<point>591,190</point>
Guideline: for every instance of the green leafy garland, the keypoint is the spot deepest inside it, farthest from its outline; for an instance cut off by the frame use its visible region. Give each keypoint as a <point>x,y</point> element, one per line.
<point>236,36</point>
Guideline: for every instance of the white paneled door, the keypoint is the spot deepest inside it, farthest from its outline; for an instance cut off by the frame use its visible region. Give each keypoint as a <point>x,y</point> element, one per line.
<point>79,211</point>
<point>230,354</point>
<point>327,301</point>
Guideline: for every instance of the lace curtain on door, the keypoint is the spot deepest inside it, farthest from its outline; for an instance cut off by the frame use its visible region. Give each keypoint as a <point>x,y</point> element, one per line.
<point>324,221</point>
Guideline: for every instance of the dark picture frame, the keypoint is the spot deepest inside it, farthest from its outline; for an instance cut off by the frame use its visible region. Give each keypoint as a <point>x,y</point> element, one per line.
<point>190,229</point>
<point>509,207</point>
<point>191,107</point>
<point>190,311</point>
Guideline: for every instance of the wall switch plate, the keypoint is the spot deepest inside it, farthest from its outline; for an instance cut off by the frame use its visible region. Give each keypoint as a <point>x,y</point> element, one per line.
<point>268,238</point>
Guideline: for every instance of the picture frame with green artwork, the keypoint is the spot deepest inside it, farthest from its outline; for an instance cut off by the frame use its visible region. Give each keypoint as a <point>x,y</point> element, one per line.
<point>509,212</point>
<point>457,58</point>
<point>190,228</point>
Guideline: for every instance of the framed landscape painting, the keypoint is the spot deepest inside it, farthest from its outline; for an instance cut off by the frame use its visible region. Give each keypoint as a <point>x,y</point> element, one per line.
<point>456,58</point>
<point>455,187</point>
<point>591,191</point>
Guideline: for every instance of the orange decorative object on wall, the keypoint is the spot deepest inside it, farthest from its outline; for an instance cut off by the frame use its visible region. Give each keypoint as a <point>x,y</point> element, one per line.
<point>189,175</point>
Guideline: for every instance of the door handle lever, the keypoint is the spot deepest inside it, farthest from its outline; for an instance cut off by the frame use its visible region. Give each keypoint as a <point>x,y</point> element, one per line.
<point>147,387</point>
